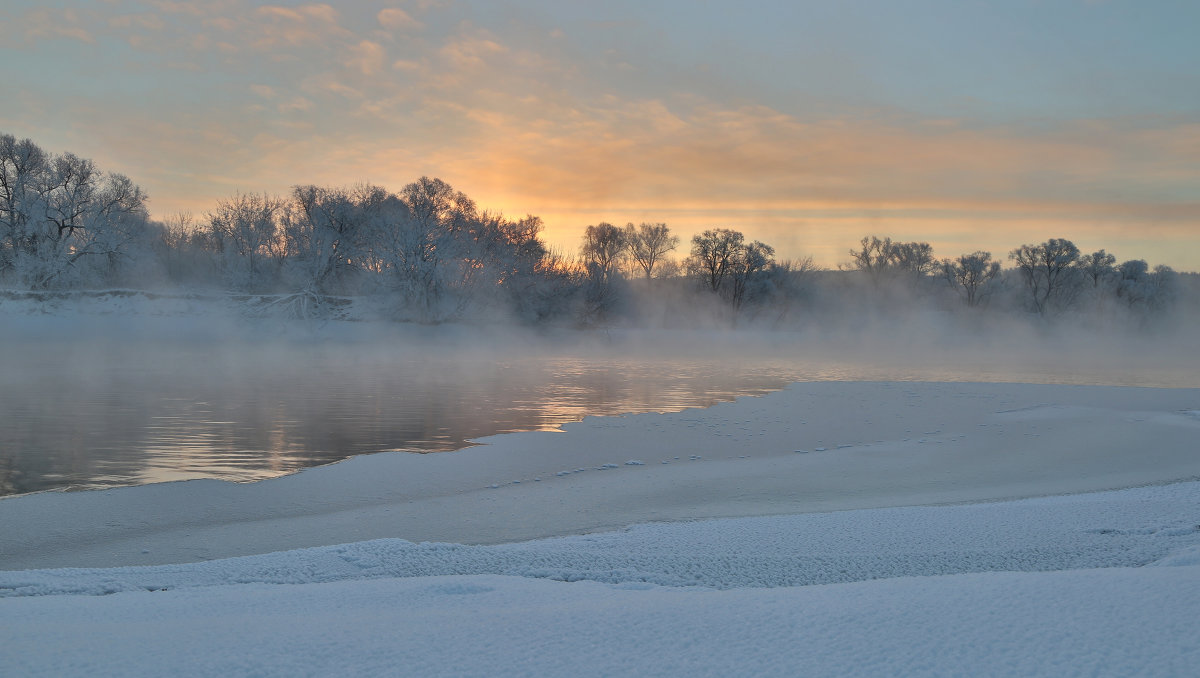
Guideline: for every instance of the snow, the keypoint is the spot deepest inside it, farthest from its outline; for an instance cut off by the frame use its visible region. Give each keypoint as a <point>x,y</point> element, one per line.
<point>1128,528</point>
<point>995,589</point>
<point>1001,624</point>
<point>935,529</point>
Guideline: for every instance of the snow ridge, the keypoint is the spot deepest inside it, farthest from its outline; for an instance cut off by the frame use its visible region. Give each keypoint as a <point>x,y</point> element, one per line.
<point>1127,528</point>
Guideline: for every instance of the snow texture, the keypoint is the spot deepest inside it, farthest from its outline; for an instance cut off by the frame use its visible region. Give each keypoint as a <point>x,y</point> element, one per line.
<point>955,590</point>
<point>1129,528</point>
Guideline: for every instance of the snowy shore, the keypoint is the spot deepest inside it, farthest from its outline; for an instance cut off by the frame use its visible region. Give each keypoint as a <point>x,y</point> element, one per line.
<point>827,529</point>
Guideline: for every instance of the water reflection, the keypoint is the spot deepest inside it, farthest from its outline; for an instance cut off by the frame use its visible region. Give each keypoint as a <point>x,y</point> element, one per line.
<point>190,414</point>
<point>81,416</point>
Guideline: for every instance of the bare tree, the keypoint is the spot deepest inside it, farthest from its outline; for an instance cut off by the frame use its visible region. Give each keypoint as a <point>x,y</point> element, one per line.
<point>747,263</point>
<point>713,252</point>
<point>1048,271</point>
<point>873,257</point>
<point>970,273</point>
<point>881,259</point>
<point>648,244</point>
<point>602,249</point>
<point>914,258</point>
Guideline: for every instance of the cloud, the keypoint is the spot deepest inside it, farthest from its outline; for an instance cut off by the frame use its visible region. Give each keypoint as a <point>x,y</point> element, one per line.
<point>301,13</point>
<point>277,26</point>
<point>471,53</point>
<point>42,24</point>
<point>396,19</point>
<point>532,119</point>
<point>649,151</point>
<point>294,105</point>
<point>366,57</point>
<point>811,185</point>
<point>150,22</point>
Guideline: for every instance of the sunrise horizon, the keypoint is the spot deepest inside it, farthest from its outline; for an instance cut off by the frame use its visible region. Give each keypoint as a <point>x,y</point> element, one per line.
<point>803,125</point>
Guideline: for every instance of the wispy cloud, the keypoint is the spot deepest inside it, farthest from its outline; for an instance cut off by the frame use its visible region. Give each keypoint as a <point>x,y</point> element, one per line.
<point>396,19</point>
<point>276,26</point>
<point>366,57</point>
<point>41,24</point>
<point>581,124</point>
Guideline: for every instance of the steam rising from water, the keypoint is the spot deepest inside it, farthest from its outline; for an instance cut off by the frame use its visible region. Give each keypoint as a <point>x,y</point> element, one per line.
<point>92,401</point>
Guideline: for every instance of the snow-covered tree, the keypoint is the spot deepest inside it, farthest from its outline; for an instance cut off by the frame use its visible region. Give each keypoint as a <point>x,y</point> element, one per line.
<point>970,274</point>
<point>248,230</point>
<point>62,221</point>
<point>1049,271</point>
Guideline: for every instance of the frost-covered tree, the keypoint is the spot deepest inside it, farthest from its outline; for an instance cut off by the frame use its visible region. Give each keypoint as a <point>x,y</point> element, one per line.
<point>915,259</point>
<point>745,268</point>
<point>247,231</point>
<point>1133,281</point>
<point>1098,268</point>
<point>62,221</point>
<point>440,259</point>
<point>326,232</point>
<point>884,259</point>
<point>601,252</point>
<point>1048,271</point>
<point>445,249</point>
<point>602,248</point>
<point>648,245</point>
<point>873,257</point>
<point>1164,286</point>
<point>729,266</point>
<point>713,253</point>
<point>1145,290</point>
<point>970,275</point>
<point>187,253</point>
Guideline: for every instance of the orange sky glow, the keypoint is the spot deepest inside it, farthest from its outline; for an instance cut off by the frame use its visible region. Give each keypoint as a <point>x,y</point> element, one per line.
<point>803,125</point>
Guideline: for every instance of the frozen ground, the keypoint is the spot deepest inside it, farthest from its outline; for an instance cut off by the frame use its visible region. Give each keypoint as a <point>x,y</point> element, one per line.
<point>821,530</point>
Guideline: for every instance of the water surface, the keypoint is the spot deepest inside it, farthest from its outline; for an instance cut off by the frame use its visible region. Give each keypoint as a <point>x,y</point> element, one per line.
<point>80,413</point>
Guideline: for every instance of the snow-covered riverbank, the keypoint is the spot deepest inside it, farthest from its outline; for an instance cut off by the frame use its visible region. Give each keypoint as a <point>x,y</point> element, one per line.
<point>888,584</point>
<point>811,447</point>
<point>1008,589</point>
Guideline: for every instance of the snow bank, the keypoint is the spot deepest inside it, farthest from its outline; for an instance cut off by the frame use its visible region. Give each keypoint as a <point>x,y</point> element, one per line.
<point>819,552</point>
<point>310,612</point>
<point>1118,622</point>
<point>1129,528</point>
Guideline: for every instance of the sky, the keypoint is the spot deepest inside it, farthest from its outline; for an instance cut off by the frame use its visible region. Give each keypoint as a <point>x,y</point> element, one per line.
<point>969,124</point>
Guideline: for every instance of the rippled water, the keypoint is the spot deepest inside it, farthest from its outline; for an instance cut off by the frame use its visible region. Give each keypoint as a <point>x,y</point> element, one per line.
<point>82,415</point>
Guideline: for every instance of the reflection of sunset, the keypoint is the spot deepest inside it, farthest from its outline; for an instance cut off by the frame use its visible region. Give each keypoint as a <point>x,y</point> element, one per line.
<point>243,413</point>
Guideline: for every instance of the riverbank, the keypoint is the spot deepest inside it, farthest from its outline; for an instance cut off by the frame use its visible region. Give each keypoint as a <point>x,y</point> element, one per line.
<point>832,528</point>
<point>822,446</point>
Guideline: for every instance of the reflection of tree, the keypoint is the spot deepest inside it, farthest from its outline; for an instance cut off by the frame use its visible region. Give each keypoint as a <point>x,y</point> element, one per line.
<point>249,412</point>
<point>8,476</point>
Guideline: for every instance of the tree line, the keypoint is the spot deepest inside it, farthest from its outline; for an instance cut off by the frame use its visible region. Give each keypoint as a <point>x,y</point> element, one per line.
<point>428,253</point>
<point>1048,278</point>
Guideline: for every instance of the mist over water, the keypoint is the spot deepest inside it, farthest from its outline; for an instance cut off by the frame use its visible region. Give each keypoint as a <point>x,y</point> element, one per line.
<point>92,402</point>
